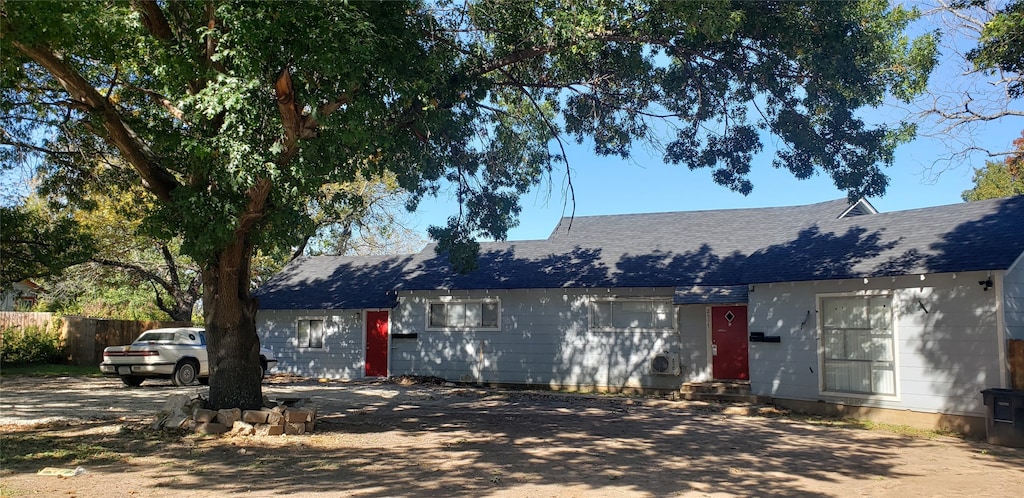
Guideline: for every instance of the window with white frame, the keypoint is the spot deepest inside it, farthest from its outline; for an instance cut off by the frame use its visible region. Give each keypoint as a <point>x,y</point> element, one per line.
<point>617,314</point>
<point>464,314</point>
<point>858,345</point>
<point>310,332</point>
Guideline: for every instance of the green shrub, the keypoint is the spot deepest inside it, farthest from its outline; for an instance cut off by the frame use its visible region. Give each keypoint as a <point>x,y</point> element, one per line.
<point>31,345</point>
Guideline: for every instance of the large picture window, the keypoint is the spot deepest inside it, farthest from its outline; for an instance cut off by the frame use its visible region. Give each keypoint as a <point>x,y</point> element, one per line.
<point>858,345</point>
<point>310,333</point>
<point>464,314</point>
<point>612,314</point>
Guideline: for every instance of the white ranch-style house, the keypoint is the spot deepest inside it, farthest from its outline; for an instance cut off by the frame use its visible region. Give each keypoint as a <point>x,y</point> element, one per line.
<point>901,316</point>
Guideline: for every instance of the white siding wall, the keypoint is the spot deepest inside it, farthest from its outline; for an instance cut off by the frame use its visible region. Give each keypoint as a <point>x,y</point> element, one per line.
<point>1013,292</point>
<point>545,339</point>
<point>342,355</point>
<point>945,356</point>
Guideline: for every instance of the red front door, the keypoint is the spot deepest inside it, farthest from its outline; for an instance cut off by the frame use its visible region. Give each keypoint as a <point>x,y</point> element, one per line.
<point>376,343</point>
<point>729,342</point>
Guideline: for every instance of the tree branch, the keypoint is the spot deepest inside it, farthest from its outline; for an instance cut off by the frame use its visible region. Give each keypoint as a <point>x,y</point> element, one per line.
<point>211,42</point>
<point>193,287</point>
<point>156,179</point>
<point>172,267</point>
<point>287,106</point>
<point>4,140</point>
<point>137,270</point>
<point>300,249</point>
<point>571,200</point>
<point>160,301</point>
<point>153,18</point>
<point>256,210</point>
<point>167,104</point>
<point>299,126</point>
<point>510,59</point>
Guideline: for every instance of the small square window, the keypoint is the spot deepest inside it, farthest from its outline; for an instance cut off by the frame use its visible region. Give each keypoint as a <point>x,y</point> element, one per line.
<point>310,333</point>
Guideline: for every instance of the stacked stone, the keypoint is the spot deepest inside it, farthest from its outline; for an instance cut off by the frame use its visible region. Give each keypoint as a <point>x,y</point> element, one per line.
<point>290,416</point>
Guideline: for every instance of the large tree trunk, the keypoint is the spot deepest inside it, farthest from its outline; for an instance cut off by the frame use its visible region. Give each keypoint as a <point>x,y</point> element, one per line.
<point>230,314</point>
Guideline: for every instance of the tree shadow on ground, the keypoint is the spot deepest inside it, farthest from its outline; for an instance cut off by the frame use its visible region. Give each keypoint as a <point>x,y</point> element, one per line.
<point>388,440</point>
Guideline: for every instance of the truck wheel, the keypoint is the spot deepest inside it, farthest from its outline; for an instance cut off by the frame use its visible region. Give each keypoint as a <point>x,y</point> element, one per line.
<point>132,380</point>
<point>186,373</point>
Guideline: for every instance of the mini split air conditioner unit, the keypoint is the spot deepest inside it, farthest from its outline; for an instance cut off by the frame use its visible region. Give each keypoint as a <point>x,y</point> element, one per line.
<point>666,364</point>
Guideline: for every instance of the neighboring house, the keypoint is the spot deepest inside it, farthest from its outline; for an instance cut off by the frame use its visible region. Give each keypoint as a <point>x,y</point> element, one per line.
<point>824,305</point>
<point>20,296</point>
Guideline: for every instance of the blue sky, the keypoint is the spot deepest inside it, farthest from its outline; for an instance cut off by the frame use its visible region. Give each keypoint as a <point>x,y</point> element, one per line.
<point>645,184</point>
<point>922,175</point>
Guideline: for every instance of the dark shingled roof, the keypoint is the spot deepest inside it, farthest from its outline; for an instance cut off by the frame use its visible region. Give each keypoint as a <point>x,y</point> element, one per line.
<point>730,247</point>
<point>981,235</point>
<point>335,282</point>
<point>703,294</point>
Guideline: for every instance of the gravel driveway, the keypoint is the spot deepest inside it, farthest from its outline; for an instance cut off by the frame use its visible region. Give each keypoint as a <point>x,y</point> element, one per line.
<point>387,439</point>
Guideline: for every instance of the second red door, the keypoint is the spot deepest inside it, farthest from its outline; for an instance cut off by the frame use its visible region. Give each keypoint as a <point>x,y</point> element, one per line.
<point>729,343</point>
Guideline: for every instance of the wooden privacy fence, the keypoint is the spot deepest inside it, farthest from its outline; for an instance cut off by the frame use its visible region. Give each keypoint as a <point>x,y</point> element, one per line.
<point>23,320</point>
<point>20,320</point>
<point>85,338</point>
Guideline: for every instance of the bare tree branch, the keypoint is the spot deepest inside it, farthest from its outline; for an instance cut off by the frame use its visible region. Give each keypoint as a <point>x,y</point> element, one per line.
<point>571,200</point>
<point>956,109</point>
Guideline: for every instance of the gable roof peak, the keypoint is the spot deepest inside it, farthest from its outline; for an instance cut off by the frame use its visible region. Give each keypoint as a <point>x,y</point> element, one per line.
<point>860,207</point>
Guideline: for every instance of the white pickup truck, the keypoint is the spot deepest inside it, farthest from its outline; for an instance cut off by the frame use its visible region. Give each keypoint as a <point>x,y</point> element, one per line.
<point>175,353</point>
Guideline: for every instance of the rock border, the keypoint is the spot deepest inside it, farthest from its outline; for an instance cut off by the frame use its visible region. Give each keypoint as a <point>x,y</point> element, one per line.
<point>279,416</point>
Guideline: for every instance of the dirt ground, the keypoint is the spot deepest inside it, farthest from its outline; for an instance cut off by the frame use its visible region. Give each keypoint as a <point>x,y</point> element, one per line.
<point>378,439</point>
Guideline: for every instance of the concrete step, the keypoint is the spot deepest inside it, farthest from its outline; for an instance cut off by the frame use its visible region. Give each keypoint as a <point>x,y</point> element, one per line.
<point>715,388</point>
<point>721,391</point>
<point>726,397</point>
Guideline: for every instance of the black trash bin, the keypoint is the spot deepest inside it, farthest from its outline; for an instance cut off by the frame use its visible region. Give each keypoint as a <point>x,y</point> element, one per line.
<point>1004,423</point>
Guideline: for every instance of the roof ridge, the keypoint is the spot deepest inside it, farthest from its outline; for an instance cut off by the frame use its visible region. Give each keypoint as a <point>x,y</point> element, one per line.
<point>688,211</point>
<point>978,205</point>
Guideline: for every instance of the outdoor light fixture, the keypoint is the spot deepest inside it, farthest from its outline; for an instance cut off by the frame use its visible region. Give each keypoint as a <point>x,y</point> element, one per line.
<point>985,284</point>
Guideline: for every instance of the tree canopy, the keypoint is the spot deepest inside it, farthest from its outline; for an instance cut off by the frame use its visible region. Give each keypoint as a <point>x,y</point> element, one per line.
<point>233,115</point>
<point>999,178</point>
<point>34,244</point>
<point>1001,46</point>
<point>130,275</point>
